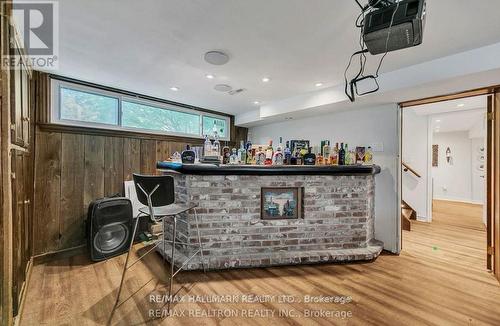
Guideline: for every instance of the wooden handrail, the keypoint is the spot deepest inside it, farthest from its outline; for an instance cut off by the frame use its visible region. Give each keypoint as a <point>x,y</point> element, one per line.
<point>408,168</point>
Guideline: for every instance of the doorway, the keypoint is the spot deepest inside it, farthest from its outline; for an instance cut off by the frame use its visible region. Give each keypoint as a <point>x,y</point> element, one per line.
<point>449,176</point>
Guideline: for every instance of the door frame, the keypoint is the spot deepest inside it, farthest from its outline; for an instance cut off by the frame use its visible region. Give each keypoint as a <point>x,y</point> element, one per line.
<point>493,166</point>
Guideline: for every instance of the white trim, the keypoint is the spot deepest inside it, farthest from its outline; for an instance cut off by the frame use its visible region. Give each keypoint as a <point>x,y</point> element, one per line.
<point>430,180</point>
<point>460,200</point>
<point>399,179</point>
<point>422,219</point>
<point>56,85</point>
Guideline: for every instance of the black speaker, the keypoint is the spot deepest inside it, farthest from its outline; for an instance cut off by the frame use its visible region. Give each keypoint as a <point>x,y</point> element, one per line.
<point>109,227</point>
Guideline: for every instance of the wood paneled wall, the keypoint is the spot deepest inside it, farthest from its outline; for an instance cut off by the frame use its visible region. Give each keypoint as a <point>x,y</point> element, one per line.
<point>5,183</point>
<point>74,166</point>
<point>71,170</point>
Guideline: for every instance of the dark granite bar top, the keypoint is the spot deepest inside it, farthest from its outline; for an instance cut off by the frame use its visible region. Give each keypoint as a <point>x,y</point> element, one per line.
<point>212,169</point>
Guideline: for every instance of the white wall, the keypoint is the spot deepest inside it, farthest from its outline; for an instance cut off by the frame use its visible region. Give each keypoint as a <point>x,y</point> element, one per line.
<point>360,127</point>
<point>415,152</point>
<point>453,181</point>
<point>478,166</point>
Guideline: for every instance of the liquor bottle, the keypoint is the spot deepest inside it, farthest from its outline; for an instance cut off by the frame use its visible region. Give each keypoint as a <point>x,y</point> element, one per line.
<point>326,152</point>
<point>369,155</point>
<point>242,153</point>
<point>360,155</point>
<point>260,156</point>
<point>253,156</point>
<point>188,156</point>
<point>309,158</point>
<point>216,145</point>
<point>293,157</point>
<point>299,158</point>
<point>287,154</point>
<point>319,156</point>
<point>278,154</point>
<point>347,155</point>
<point>352,157</point>
<point>269,154</point>
<point>341,154</point>
<point>233,159</point>
<point>334,156</point>
<point>248,149</point>
<point>207,147</point>
<point>303,151</point>
<point>226,154</point>
<point>176,157</point>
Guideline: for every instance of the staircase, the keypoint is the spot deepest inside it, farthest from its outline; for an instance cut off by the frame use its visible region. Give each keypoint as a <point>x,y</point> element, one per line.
<point>407,214</point>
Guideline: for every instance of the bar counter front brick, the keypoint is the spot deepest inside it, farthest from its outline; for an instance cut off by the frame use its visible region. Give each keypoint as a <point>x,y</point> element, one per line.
<point>337,224</point>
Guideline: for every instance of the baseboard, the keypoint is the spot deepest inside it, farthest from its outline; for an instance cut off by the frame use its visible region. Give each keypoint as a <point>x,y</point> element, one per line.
<point>60,254</point>
<point>463,201</point>
<point>422,219</point>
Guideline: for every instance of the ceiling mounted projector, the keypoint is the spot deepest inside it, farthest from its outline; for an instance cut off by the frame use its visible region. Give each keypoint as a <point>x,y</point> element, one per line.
<point>385,26</point>
<point>217,58</point>
<point>406,30</point>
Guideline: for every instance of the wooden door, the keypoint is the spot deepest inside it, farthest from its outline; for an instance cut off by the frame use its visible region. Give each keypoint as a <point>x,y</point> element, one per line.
<point>489,184</point>
<point>26,107</point>
<point>16,113</point>
<point>20,99</point>
<point>17,221</point>
<point>21,222</point>
<point>493,185</point>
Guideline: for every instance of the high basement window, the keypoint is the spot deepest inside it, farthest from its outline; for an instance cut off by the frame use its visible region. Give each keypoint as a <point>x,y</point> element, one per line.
<point>82,105</point>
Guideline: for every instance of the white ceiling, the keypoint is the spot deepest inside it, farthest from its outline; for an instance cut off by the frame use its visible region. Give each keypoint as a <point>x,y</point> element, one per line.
<point>150,46</point>
<point>465,104</point>
<point>457,115</point>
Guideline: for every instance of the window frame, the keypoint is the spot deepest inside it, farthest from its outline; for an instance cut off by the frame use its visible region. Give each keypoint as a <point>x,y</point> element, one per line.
<point>55,111</point>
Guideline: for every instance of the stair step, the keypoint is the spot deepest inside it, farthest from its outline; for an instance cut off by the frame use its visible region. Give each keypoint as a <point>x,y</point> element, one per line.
<point>405,223</point>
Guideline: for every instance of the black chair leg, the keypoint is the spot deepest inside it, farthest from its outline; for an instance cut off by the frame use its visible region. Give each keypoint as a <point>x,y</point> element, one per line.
<point>126,263</point>
<point>172,264</point>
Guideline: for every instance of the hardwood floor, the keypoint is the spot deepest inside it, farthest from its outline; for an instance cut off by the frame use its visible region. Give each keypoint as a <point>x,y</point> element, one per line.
<point>439,279</point>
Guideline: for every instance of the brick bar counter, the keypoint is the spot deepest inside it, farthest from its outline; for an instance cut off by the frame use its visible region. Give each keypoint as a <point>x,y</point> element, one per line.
<point>336,222</point>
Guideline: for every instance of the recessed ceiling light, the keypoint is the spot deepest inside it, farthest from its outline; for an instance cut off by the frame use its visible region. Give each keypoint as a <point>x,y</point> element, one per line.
<point>318,84</point>
<point>438,120</point>
<point>256,102</point>
<point>266,79</point>
<point>461,105</point>
<point>173,88</point>
<point>217,58</point>
<point>210,76</point>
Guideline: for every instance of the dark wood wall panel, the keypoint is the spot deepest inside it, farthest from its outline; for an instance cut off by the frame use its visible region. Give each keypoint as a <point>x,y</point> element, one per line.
<point>113,166</point>
<point>93,185</point>
<point>72,202</point>
<point>47,192</point>
<point>41,86</point>
<point>131,157</point>
<point>75,169</point>
<point>148,156</point>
